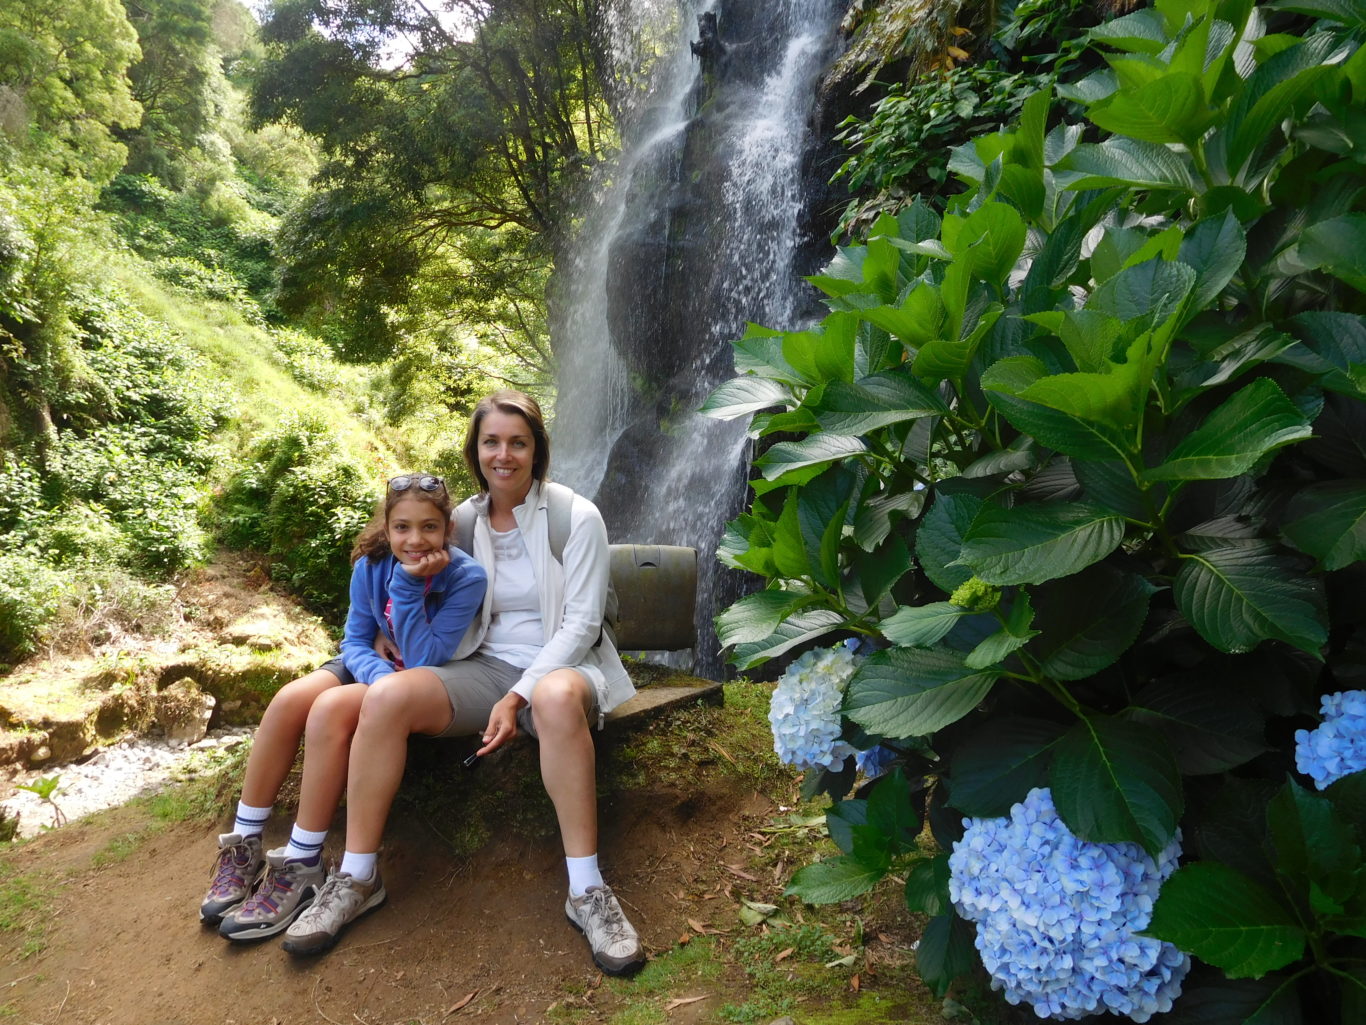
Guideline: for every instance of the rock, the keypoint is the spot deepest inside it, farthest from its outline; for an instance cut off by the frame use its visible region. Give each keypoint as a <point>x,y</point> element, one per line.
<point>183,712</point>
<point>265,629</point>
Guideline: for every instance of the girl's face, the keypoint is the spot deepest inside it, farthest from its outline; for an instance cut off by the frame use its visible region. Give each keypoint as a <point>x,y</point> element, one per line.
<point>507,450</point>
<point>415,528</point>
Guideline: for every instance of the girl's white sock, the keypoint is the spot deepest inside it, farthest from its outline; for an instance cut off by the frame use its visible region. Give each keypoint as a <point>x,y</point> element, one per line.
<point>305,844</point>
<point>583,873</point>
<point>360,867</point>
<point>251,821</point>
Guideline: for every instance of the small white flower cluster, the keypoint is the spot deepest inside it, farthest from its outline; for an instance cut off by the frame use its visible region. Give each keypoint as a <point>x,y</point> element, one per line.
<point>805,709</point>
<point>1058,918</point>
<point>1338,747</point>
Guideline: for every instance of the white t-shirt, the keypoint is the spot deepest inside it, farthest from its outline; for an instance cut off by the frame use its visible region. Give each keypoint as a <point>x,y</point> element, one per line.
<point>515,634</point>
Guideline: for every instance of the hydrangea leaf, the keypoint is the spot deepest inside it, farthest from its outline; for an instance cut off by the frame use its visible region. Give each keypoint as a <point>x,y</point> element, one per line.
<point>755,616</point>
<point>945,952</point>
<point>1208,732</point>
<point>1069,415</point>
<point>1130,163</point>
<point>1109,482</point>
<point>809,452</point>
<point>927,885</point>
<point>1349,12</point>
<point>1328,521</point>
<point>1031,544</point>
<point>873,518</point>
<point>890,811</point>
<point>1226,920</point>
<point>1348,795</point>
<point>875,402</point>
<point>1314,848</point>
<point>1215,1000</point>
<point>1256,421</point>
<point>1241,595</point>
<point>826,354</point>
<point>1335,245</point>
<point>1117,781</point>
<point>741,396</point>
<point>1171,109</point>
<point>833,880</point>
<point>911,692</point>
<point>1214,249</point>
<point>939,540</point>
<point>921,626</point>
<point>996,648</point>
<point>999,763</point>
<point>803,626</point>
<point>841,819</point>
<point>877,571</point>
<point>760,352</point>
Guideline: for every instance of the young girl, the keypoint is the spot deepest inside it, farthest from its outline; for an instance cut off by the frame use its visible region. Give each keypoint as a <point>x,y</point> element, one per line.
<point>420,594</point>
<point>536,660</point>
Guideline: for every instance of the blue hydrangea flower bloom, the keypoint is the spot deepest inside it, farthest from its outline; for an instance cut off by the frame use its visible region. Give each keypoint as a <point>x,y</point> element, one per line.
<point>805,709</point>
<point>1338,747</point>
<point>1058,918</point>
<point>875,761</point>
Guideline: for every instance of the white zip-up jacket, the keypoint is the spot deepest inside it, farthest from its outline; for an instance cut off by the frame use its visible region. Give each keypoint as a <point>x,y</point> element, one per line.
<point>572,597</point>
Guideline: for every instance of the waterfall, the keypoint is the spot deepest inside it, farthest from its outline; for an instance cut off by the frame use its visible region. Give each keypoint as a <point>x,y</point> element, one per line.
<point>696,228</point>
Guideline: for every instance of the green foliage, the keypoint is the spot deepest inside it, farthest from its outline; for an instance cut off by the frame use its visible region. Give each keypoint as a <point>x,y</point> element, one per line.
<point>300,500</point>
<point>29,593</point>
<point>1080,460</point>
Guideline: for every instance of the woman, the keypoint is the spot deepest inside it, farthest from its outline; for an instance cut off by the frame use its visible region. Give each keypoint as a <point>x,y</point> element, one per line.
<point>535,658</point>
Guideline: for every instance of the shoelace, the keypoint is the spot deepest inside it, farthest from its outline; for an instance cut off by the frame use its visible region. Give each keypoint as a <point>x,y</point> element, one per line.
<point>229,870</point>
<point>609,911</point>
<point>330,894</point>
<point>270,884</point>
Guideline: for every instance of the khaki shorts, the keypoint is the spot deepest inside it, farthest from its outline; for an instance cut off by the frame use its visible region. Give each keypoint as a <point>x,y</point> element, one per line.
<point>475,684</point>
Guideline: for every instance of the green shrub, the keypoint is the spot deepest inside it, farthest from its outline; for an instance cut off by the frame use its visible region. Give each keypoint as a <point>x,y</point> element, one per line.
<point>30,593</point>
<point>1080,463</point>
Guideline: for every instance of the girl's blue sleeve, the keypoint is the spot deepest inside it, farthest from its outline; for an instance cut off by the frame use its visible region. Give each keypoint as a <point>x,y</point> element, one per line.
<point>362,623</point>
<point>424,642</point>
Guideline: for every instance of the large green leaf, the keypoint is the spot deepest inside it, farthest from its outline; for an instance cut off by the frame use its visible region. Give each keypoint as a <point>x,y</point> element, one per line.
<point>1029,544</point>
<point>921,626</point>
<point>1239,596</point>
<point>911,692</point>
<point>756,616</point>
<point>1257,420</point>
<point>1338,246</point>
<point>1117,781</point>
<point>998,764</point>
<point>1226,920</point>
<point>809,452</point>
<point>874,402</point>
<point>1171,109</point>
<point>1316,853</point>
<point>1328,521</point>
<point>891,813</point>
<point>1070,413</point>
<point>1087,621</point>
<point>1350,12</point>
<point>939,540</point>
<point>741,396</point>
<point>1215,1000</point>
<point>760,352</point>
<point>794,630</point>
<point>1214,249</point>
<point>834,879</point>
<point>1148,293</point>
<point>988,240</point>
<point>915,321</point>
<point>945,952</point>
<point>1139,32</point>
<point>927,885</point>
<point>1130,163</point>
<point>842,818</point>
<point>826,354</point>
<point>1208,733</point>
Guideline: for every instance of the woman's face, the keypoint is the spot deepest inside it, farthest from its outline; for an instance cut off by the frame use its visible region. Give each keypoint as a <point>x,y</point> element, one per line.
<point>415,528</point>
<point>507,449</point>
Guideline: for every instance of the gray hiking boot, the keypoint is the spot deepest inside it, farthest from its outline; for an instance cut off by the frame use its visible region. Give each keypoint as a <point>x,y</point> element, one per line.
<point>235,871</point>
<point>339,903</point>
<point>286,889</point>
<point>615,945</point>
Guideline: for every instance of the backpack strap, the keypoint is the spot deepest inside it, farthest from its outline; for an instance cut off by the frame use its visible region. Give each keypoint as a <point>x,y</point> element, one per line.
<point>559,505</point>
<point>463,516</point>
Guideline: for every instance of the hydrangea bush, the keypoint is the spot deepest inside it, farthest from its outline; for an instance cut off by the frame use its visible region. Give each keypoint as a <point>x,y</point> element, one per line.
<point>1078,457</point>
<point>804,711</point>
<point>1338,747</point>
<point>1059,920</point>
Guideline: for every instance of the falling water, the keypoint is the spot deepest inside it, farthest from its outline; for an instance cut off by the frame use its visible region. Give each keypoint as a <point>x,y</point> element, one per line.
<point>697,231</point>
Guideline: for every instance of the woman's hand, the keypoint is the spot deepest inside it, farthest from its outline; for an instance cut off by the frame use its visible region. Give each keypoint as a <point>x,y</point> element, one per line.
<point>502,725</point>
<point>385,648</point>
<point>430,564</point>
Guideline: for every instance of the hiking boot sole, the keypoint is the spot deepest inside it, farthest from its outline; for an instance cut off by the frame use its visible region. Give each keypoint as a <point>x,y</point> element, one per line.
<point>606,967</point>
<point>305,946</point>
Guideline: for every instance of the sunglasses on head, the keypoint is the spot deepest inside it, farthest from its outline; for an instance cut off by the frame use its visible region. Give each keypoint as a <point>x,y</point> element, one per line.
<point>421,481</point>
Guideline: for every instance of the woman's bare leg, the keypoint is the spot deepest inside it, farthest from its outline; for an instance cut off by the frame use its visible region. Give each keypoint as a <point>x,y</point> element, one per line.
<point>411,701</point>
<point>560,705</point>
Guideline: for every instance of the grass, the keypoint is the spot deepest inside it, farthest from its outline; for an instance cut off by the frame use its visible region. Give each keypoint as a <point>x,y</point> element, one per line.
<point>25,907</point>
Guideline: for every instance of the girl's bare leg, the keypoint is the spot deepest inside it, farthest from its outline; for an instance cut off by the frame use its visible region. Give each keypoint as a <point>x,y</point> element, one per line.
<point>560,706</point>
<point>327,750</point>
<point>277,738</point>
<point>408,702</point>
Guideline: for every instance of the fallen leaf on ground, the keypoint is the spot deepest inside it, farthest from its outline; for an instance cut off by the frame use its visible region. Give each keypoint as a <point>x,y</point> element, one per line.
<point>680,1001</point>
<point>854,983</point>
<point>461,1002</point>
<point>742,873</point>
<point>785,954</point>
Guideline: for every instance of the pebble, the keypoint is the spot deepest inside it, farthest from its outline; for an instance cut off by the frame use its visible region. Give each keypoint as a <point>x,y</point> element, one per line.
<point>112,776</point>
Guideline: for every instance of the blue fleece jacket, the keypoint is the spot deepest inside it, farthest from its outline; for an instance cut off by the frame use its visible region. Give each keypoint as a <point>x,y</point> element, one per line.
<point>428,622</point>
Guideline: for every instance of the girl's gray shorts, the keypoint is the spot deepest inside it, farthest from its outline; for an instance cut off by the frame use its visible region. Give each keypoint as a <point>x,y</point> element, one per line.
<point>475,685</point>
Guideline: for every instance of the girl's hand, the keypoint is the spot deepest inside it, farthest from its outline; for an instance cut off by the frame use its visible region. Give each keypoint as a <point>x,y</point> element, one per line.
<point>502,725</point>
<point>385,648</point>
<point>430,564</point>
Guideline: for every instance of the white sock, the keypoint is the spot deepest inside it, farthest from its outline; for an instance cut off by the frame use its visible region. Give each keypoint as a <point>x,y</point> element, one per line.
<point>305,844</point>
<point>583,873</point>
<point>360,867</point>
<point>251,821</point>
